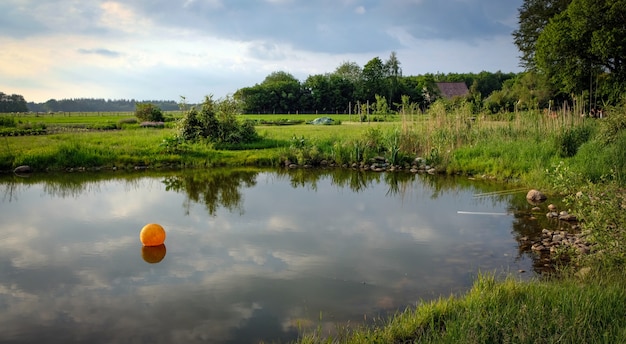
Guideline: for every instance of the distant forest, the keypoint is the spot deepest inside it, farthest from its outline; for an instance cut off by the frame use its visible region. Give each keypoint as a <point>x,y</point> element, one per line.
<point>96,105</point>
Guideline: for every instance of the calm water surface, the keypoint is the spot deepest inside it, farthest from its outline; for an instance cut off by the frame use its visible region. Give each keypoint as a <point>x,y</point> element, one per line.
<point>250,255</point>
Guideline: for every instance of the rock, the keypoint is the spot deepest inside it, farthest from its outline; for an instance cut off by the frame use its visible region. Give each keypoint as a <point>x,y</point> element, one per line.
<point>431,171</point>
<point>379,159</point>
<point>23,169</point>
<point>551,207</point>
<point>535,196</point>
<point>568,217</point>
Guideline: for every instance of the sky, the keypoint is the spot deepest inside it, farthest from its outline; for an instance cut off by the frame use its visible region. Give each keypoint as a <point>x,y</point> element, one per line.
<point>165,49</point>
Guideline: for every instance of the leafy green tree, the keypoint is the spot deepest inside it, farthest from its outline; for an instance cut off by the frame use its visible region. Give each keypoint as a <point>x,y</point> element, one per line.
<point>12,103</point>
<point>216,122</point>
<point>349,71</point>
<point>373,79</point>
<point>534,15</point>
<point>280,92</point>
<point>147,112</point>
<point>393,73</point>
<point>583,42</point>
<point>380,106</point>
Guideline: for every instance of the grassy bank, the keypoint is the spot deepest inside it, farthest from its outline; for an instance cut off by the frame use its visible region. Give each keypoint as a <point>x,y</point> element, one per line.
<point>570,310</point>
<point>579,159</point>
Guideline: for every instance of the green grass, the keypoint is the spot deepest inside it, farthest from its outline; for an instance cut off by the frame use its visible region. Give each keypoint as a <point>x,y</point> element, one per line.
<point>571,310</point>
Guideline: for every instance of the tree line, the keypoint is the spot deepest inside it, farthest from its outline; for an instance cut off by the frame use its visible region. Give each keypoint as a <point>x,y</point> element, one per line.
<point>350,85</point>
<point>97,105</point>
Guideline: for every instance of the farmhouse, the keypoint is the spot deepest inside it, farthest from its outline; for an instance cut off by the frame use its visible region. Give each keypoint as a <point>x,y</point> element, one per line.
<point>450,90</point>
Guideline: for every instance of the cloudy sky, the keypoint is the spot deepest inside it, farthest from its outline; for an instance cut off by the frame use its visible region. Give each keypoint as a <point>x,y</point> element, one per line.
<point>164,49</point>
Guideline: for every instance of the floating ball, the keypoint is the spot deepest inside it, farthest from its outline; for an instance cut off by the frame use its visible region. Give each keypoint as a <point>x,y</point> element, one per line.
<point>153,254</point>
<point>152,234</point>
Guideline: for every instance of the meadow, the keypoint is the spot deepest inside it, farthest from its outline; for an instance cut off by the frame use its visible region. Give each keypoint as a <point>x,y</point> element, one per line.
<point>568,155</point>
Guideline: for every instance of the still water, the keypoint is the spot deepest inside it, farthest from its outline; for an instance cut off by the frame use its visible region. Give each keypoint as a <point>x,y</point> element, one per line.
<point>250,255</point>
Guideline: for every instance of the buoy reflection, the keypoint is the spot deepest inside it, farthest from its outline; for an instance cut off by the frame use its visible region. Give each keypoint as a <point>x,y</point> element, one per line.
<point>153,254</point>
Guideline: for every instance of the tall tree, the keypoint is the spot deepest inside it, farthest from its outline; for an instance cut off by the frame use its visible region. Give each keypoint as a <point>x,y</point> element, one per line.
<point>373,79</point>
<point>393,73</point>
<point>12,103</point>
<point>583,42</point>
<point>534,15</point>
<point>350,71</point>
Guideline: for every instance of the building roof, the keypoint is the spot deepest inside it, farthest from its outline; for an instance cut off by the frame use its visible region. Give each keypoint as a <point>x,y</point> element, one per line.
<point>452,89</point>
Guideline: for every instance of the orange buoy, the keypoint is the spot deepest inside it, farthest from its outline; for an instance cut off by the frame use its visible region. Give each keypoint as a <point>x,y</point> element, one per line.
<point>153,254</point>
<point>152,234</point>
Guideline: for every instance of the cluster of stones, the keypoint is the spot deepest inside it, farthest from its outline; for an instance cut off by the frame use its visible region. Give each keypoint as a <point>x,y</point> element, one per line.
<point>377,164</point>
<point>552,241</point>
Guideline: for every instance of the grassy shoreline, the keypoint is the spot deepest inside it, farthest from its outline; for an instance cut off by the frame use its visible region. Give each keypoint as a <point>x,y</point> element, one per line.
<point>581,159</point>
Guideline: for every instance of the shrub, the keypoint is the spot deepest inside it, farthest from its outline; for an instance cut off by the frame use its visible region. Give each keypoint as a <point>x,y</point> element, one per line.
<point>571,139</point>
<point>7,121</point>
<point>216,122</point>
<point>147,112</point>
<point>127,121</point>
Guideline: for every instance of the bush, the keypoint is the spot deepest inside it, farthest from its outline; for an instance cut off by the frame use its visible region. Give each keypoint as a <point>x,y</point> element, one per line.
<point>7,121</point>
<point>216,122</point>
<point>571,139</point>
<point>147,112</point>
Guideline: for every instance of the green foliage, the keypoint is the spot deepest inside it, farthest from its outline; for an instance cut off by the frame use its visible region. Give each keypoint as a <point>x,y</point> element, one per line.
<point>534,15</point>
<point>12,103</point>
<point>579,44</point>
<point>380,106</point>
<point>7,121</point>
<point>217,122</point>
<point>601,206</point>
<point>612,126</point>
<point>9,127</point>
<point>124,121</point>
<point>570,139</point>
<point>147,112</point>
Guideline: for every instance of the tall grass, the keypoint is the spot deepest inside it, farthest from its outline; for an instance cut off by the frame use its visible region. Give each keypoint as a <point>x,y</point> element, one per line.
<point>506,311</point>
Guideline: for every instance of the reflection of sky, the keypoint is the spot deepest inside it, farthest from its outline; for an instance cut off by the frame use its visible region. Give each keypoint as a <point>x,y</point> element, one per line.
<point>71,267</point>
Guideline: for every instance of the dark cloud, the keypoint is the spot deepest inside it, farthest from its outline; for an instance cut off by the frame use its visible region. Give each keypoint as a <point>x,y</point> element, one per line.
<point>336,26</point>
<point>15,21</point>
<point>99,51</point>
<point>324,25</point>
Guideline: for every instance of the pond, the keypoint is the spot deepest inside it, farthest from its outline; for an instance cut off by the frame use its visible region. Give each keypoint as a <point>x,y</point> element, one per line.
<point>250,255</point>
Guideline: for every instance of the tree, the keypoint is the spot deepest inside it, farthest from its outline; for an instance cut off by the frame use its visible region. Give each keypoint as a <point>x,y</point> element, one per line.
<point>217,122</point>
<point>534,15</point>
<point>393,73</point>
<point>349,71</point>
<point>280,92</point>
<point>373,79</point>
<point>583,42</point>
<point>12,103</point>
<point>147,112</point>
